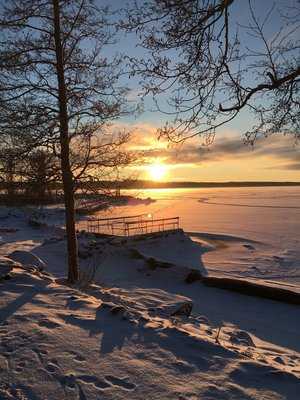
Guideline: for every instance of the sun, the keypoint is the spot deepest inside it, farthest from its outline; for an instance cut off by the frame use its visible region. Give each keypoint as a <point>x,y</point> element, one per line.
<point>157,171</point>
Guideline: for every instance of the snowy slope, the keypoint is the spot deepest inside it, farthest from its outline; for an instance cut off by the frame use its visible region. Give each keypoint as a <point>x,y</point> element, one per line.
<point>58,343</point>
<point>117,339</point>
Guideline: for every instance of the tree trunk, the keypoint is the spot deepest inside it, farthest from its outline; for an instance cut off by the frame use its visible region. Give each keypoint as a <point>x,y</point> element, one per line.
<point>67,176</point>
<point>10,174</point>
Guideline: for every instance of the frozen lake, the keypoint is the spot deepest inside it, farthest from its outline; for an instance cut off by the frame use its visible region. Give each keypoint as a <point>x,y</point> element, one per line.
<point>268,218</point>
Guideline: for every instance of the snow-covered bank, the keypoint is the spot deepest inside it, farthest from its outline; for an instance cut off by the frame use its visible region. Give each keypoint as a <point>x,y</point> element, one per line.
<point>117,338</point>
<point>260,242</point>
<point>58,343</point>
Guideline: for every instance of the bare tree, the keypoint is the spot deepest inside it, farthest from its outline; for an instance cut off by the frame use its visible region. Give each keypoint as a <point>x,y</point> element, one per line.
<point>32,174</point>
<point>95,158</point>
<point>13,150</point>
<point>7,173</point>
<point>199,56</point>
<point>40,170</point>
<point>53,70</point>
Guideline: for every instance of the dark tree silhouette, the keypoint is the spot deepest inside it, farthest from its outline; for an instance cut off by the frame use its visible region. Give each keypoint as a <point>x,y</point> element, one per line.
<point>202,58</point>
<point>54,75</point>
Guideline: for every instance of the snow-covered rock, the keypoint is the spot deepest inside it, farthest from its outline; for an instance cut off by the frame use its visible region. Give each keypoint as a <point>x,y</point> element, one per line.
<point>241,338</point>
<point>174,248</point>
<point>7,261</point>
<point>26,258</point>
<point>6,266</point>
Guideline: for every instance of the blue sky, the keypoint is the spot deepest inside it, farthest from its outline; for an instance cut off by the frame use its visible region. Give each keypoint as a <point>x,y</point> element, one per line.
<point>276,158</point>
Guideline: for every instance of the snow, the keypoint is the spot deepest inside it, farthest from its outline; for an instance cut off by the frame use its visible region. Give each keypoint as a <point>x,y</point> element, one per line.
<point>254,232</point>
<point>26,258</point>
<point>117,336</point>
<point>61,343</point>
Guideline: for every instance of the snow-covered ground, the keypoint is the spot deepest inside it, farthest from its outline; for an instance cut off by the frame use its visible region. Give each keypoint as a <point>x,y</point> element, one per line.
<point>116,335</point>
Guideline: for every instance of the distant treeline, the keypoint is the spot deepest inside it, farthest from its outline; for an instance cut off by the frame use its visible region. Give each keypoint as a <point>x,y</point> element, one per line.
<point>36,192</point>
<point>144,184</point>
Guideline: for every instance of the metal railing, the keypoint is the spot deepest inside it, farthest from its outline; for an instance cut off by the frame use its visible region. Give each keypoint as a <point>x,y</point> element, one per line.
<point>113,225</point>
<point>132,225</point>
<point>150,226</point>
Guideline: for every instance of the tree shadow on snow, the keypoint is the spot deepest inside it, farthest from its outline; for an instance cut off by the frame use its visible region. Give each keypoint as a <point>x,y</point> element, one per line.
<point>182,353</point>
<point>24,287</point>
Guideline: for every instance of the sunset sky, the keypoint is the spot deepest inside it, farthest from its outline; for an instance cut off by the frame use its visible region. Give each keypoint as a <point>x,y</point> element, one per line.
<point>276,158</point>
<point>227,159</point>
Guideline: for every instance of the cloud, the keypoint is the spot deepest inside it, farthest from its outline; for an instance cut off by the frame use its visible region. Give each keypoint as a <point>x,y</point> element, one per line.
<point>280,149</point>
<point>224,148</point>
<point>291,167</point>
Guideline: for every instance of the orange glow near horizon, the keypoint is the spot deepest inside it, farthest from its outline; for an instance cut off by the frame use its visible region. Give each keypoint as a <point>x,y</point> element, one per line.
<point>157,171</point>
<point>228,158</point>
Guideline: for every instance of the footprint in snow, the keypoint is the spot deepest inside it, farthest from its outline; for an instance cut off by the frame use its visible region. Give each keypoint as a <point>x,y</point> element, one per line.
<point>68,381</point>
<point>47,323</point>
<point>101,384</point>
<point>98,383</point>
<point>249,247</point>
<point>19,368</point>
<point>79,358</point>
<point>40,353</point>
<point>21,318</point>
<point>44,352</point>
<point>8,350</point>
<point>123,383</point>
<point>279,360</point>
<point>52,368</point>
<point>76,356</point>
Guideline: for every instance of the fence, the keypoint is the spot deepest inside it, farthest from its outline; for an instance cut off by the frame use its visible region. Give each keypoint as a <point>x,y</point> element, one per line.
<point>132,225</point>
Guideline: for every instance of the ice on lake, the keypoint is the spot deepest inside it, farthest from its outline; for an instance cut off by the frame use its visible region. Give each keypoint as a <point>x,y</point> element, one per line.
<point>255,231</point>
